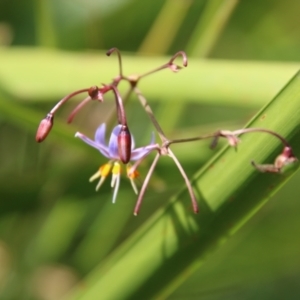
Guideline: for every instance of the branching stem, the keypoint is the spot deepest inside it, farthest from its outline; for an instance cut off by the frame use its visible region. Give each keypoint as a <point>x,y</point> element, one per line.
<point>145,184</point>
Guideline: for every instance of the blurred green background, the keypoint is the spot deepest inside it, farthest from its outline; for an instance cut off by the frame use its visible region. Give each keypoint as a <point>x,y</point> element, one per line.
<point>54,229</point>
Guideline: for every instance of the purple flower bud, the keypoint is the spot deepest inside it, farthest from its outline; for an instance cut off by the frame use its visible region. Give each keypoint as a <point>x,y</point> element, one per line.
<point>44,128</point>
<point>124,144</point>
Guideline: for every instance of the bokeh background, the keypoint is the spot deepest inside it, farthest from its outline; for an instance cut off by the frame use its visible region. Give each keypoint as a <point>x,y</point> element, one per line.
<point>54,228</point>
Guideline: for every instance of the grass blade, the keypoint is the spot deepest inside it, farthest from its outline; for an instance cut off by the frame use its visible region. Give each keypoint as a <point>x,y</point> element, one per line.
<point>174,242</point>
<point>210,26</point>
<point>222,82</point>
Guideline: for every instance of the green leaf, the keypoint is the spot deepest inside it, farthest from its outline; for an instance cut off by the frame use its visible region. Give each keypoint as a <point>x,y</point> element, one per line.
<point>36,75</point>
<point>174,242</point>
<point>210,26</point>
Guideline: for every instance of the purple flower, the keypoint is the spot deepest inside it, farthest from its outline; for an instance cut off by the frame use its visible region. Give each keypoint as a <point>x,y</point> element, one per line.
<point>114,165</point>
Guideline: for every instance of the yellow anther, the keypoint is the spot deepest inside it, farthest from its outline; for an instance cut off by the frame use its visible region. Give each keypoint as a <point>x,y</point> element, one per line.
<point>132,174</point>
<point>102,172</point>
<point>116,170</point>
<point>105,169</point>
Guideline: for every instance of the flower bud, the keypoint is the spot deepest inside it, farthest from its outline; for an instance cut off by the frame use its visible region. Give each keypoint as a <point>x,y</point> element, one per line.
<point>44,128</point>
<point>124,144</point>
<point>95,94</point>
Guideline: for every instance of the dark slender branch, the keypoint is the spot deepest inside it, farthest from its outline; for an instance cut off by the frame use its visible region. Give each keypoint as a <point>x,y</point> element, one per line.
<point>120,108</point>
<point>187,181</point>
<point>227,134</point>
<point>165,66</point>
<point>111,112</point>
<point>192,139</point>
<point>246,130</point>
<point>145,184</point>
<point>78,108</point>
<point>65,99</point>
<point>110,51</point>
<point>169,64</point>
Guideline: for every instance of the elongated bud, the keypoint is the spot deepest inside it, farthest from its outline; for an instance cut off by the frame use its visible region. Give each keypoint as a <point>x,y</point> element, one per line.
<point>44,128</point>
<point>124,144</point>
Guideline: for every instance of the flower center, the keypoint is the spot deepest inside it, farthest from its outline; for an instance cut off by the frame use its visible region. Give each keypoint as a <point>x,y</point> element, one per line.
<point>115,168</point>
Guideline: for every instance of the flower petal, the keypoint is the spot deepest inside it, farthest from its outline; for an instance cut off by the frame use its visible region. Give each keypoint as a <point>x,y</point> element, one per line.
<point>138,153</point>
<point>113,143</point>
<point>100,135</point>
<point>104,150</point>
<point>132,142</point>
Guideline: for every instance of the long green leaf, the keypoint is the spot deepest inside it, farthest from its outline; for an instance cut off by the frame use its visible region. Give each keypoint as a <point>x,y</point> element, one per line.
<point>174,242</point>
<point>38,75</point>
<point>209,27</point>
<point>170,18</point>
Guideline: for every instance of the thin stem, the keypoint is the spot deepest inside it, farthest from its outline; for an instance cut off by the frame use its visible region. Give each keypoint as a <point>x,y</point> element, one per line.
<point>224,133</point>
<point>145,184</point>
<point>246,130</point>
<point>168,64</point>
<point>78,108</point>
<point>184,58</point>
<point>120,108</point>
<point>110,51</point>
<point>150,114</point>
<point>193,139</point>
<point>165,66</point>
<point>109,115</point>
<point>65,99</point>
<point>187,181</point>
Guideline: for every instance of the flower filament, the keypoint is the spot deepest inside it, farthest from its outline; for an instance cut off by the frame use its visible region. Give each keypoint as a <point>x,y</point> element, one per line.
<point>115,168</point>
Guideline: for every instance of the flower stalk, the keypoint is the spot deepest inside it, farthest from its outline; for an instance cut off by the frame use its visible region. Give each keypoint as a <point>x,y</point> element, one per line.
<point>121,147</point>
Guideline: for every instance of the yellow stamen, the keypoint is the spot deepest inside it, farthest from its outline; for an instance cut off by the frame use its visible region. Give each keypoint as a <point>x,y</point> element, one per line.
<point>116,168</point>
<point>95,176</point>
<point>105,169</point>
<point>102,173</point>
<point>134,186</point>
<point>115,180</point>
<point>116,171</point>
<point>132,174</point>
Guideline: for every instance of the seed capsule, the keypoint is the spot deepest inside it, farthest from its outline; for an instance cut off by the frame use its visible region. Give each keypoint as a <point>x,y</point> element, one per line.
<point>44,128</point>
<point>124,144</point>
